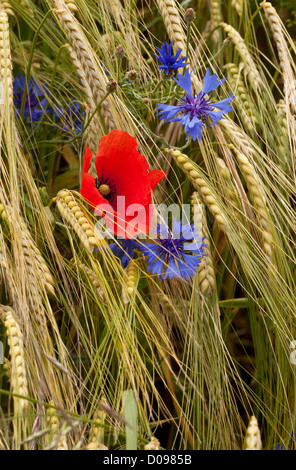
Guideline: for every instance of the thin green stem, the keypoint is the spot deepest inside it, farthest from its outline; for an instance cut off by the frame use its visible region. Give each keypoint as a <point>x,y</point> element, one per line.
<point>28,72</point>
<point>251,21</point>
<point>97,109</point>
<point>188,38</point>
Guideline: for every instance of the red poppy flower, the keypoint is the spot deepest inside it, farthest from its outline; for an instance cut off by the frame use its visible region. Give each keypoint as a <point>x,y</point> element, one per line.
<point>123,186</point>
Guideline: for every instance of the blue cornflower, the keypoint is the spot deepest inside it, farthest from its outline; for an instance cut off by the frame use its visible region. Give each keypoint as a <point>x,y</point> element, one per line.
<point>169,61</point>
<point>194,109</point>
<point>124,249</point>
<point>72,118</point>
<point>176,253</point>
<point>35,105</point>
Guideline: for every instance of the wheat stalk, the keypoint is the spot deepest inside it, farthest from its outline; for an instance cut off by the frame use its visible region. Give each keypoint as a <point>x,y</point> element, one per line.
<point>237,136</point>
<point>16,352</point>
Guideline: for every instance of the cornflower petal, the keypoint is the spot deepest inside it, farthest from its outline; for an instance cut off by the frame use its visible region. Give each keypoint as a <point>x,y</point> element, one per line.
<point>193,110</point>
<point>211,82</point>
<point>184,81</point>
<point>34,106</point>
<point>173,256</point>
<point>168,111</point>
<point>170,62</point>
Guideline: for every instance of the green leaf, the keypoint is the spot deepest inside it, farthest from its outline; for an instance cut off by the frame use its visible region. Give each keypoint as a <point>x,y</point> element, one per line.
<point>130,413</point>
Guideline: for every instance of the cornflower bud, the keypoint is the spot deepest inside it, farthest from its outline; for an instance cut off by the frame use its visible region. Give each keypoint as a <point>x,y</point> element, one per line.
<point>189,15</point>
<point>111,86</point>
<point>119,52</point>
<point>132,75</point>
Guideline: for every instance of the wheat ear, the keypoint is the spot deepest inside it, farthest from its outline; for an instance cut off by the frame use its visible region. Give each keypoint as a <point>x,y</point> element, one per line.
<point>85,55</point>
<point>7,270</point>
<point>253,438</point>
<point>53,422</point>
<point>216,17</point>
<point>257,196</point>
<point>131,281</point>
<point>91,133</point>
<point>250,68</point>
<point>238,5</point>
<point>34,258</point>
<point>206,273</point>
<point>199,183</point>
<point>16,351</point>
<point>71,5</point>
<point>95,446</point>
<point>283,136</point>
<point>229,189</point>
<point>91,275</point>
<point>172,21</point>
<point>75,215</point>
<point>6,7</point>
<point>283,52</point>
<point>5,61</point>
<point>237,136</point>
<point>241,95</point>
<point>154,444</point>
<point>97,432</point>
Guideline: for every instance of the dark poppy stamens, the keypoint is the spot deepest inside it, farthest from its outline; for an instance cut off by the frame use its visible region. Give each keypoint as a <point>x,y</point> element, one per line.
<point>106,188</point>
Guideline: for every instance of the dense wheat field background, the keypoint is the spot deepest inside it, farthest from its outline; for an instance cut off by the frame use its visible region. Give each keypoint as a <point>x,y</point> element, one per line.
<point>101,356</point>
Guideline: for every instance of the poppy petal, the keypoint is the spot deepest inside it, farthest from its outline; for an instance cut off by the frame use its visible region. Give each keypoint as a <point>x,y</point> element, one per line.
<point>86,159</point>
<point>90,192</point>
<point>119,160</point>
<point>155,177</point>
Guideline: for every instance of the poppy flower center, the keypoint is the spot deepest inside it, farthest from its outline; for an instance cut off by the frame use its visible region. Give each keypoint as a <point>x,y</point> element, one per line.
<point>104,189</point>
<point>107,188</point>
